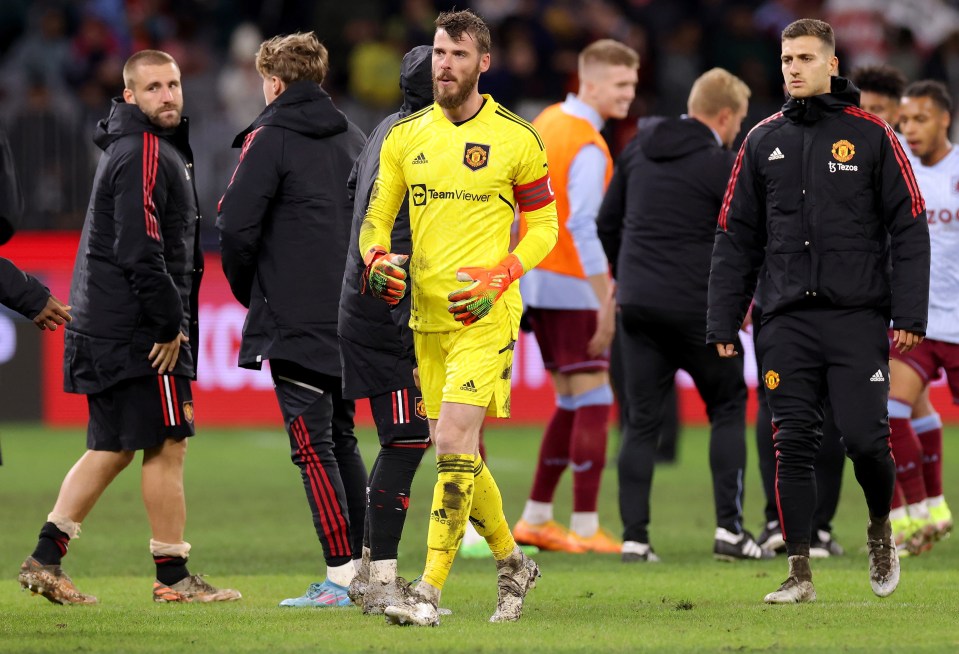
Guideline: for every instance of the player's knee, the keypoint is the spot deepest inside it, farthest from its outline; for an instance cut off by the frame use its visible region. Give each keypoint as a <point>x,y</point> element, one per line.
<point>872,446</point>
<point>598,396</point>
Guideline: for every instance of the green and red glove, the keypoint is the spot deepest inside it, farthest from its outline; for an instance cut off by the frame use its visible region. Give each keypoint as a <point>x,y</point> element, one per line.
<point>472,302</point>
<point>384,277</point>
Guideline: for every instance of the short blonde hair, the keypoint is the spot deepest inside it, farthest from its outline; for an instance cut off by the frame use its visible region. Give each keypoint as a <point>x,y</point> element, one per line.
<point>293,57</point>
<point>715,90</point>
<point>607,52</point>
<point>144,58</point>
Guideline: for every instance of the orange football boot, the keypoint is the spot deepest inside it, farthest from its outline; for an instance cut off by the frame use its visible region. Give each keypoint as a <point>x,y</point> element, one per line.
<point>602,542</point>
<point>550,536</point>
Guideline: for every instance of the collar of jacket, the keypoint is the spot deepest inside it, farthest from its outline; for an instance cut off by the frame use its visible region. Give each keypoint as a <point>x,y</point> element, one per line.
<point>126,118</point>
<point>304,107</point>
<point>842,94</point>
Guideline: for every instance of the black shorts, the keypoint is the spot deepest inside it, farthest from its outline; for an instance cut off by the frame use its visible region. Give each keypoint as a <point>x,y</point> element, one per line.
<point>140,413</point>
<point>400,418</point>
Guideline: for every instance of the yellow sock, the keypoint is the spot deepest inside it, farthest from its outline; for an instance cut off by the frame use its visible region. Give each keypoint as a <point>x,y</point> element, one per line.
<point>487,512</point>
<point>452,497</point>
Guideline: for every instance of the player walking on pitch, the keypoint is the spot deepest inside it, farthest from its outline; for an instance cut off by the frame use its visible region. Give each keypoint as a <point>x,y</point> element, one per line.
<point>284,228</point>
<point>134,293</point>
<point>468,164</point>
<point>823,200</point>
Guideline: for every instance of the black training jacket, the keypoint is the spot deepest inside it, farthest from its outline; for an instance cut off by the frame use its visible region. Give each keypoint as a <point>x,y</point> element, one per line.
<point>823,199</point>
<point>284,226</point>
<point>657,222</point>
<point>11,199</point>
<point>376,343</point>
<point>136,280</point>
<point>21,292</point>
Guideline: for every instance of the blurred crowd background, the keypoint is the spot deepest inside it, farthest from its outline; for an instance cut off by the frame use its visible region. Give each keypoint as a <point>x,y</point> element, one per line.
<point>61,62</point>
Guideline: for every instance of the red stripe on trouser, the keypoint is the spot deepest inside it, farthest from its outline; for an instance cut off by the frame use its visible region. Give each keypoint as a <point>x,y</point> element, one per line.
<point>779,504</point>
<point>311,462</point>
<point>406,406</point>
<point>163,407</point>
<point>308,457</point>
<point>344,530</point>
<point>331,517</point>
<point>176,401</point>
<point>395,417</point>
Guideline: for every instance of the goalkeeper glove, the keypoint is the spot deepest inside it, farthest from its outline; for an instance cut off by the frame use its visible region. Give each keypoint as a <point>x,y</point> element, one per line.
<point>384,277</point>
<point>472,302</point>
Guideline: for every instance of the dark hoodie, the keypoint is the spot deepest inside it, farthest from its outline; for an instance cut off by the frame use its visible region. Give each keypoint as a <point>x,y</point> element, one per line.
<point>18,290</point>
<point>136,279</point>
<point>284,228</point>
<point>658,218</point>
<point>824,201</point>
<point>376,344</point>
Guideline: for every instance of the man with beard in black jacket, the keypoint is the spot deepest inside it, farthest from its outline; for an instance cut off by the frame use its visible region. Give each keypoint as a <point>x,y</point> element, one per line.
<point>657,224</point>
<point>376,352</point>
<point>284,230</point>
<point>134,292</point>
<point>823,200</point>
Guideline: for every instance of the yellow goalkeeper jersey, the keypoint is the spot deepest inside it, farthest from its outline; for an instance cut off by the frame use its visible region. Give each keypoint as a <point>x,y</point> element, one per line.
<point>465,183</point>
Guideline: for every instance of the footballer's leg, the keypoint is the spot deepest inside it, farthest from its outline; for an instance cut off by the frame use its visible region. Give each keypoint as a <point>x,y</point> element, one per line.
<point>906,382</point>
<point>41,572</point>
<point>403,430</point>
<point>307,409</point>
<point>346,451</point>
<point>161,482</point>
<point>537,526</point>
<point>592,398</point>
<point>860,405</point>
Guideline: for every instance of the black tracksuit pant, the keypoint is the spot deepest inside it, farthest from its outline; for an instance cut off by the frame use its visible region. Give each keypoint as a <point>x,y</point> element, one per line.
<point>322,445</point>
<point>655,344</point>
<point>808,355</point>
<point>829,462</point>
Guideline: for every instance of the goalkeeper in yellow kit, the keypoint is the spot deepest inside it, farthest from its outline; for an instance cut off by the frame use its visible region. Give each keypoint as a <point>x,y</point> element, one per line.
<point>468,164</point>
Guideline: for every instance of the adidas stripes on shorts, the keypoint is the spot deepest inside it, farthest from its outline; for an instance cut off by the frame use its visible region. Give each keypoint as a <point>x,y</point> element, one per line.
<point>472,365</point>
<point>400,418</point>
<point>140,413</point>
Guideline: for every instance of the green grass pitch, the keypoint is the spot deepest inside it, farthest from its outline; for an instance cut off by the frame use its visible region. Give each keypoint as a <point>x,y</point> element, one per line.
<point>250,527</point>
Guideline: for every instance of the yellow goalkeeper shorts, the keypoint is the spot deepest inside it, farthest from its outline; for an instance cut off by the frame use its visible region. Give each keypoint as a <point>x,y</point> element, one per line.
<point>472,365</point>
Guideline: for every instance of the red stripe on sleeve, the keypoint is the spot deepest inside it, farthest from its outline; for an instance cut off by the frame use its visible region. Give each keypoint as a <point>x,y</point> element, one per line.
<point>535,195</point>
<point>247,142</point>
<point>734,175</point>
<point>151,158</point>
<point>730,185</point>
<point>918,204</point>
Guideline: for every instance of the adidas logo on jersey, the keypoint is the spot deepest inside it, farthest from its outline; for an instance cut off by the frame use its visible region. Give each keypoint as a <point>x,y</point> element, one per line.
<point>777,154</point>
<point>877,377</point>
<point>469,386</point>
<point>420,159</point>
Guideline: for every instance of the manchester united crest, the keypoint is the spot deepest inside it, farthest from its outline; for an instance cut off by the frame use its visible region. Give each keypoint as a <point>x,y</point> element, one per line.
<point>843,151</point>
<point>772,380</point>
<point>420,408</point>
<point>188,411</point>
<point>476,156</point>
